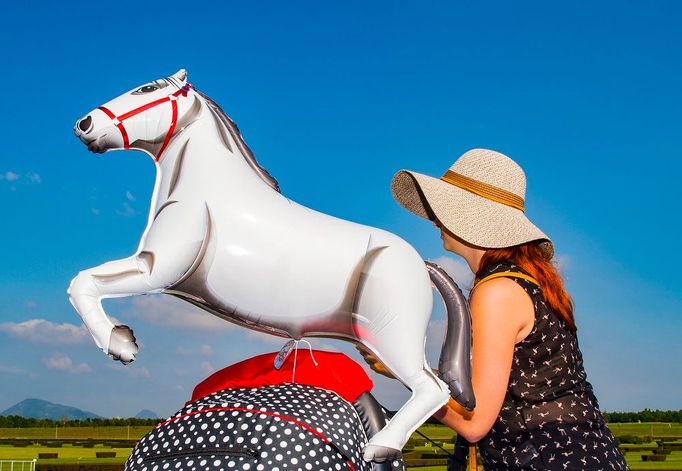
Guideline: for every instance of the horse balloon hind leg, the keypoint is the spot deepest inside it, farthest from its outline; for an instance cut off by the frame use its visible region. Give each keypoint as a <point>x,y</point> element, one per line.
<point>428,393</point>
<point>392,314</point>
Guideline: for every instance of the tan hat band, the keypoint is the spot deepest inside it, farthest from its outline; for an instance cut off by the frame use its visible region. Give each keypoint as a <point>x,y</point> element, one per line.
<point>484,190</point>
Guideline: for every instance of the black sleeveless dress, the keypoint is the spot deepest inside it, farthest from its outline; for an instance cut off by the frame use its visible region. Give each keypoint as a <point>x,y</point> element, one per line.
<point>550,418</point>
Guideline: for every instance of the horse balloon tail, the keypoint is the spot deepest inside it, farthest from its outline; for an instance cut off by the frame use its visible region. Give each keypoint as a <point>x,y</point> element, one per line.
<point>454,366</point>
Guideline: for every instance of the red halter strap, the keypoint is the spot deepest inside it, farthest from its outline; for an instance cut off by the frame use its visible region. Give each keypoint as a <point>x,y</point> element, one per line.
<point>173,98</point>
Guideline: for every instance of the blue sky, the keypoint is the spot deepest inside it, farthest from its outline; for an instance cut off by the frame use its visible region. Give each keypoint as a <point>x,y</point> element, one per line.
<point>334,98</point>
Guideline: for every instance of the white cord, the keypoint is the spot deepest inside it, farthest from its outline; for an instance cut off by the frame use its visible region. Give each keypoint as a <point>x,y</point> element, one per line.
<point>310,348</point>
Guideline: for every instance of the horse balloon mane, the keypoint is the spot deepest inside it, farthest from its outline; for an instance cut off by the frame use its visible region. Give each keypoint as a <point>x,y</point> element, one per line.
<point>221,236</point>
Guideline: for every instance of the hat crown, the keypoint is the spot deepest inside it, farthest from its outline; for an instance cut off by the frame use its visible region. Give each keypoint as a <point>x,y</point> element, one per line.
<point>493,168</point>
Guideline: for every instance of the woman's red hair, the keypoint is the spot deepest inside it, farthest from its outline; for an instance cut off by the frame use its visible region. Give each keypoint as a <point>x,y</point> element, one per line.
<point>530,258</point>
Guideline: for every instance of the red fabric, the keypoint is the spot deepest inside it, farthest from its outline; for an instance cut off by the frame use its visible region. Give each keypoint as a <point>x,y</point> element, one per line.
<point>335,372</point>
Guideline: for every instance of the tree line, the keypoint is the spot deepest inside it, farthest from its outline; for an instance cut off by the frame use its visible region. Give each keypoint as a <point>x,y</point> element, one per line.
<point>16,421</point>
<point>646,415</point>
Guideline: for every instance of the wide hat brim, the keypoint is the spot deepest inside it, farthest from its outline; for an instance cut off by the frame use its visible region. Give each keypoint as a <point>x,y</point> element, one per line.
<point>476,220</point>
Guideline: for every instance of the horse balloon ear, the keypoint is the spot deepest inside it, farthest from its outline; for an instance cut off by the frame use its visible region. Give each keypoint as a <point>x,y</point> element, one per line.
<point>180,75</point>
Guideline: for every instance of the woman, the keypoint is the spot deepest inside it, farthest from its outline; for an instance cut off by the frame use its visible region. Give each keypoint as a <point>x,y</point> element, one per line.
<point>535,409</point>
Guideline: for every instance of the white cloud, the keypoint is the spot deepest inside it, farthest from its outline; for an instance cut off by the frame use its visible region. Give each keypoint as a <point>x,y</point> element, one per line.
<point>31,304</point>
<point>266,338</point>
<point>34,177</point>
<point>9,176</point>
<point>63,362</point>
<point>31,177</point>
<point>171,312</point>
<point>140,372</point>
<point>44,331</point>
<point>12,370</point>
<point>131,370</point>
<point>458,271</point>
<point>96,211</point>
<point>127,211</point>
<point>203,350</point>
<point>207,367</point>
<point>435,333</point>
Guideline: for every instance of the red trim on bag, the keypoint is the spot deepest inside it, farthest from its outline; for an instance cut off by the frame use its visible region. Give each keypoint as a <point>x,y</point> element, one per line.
<point>253,411</point>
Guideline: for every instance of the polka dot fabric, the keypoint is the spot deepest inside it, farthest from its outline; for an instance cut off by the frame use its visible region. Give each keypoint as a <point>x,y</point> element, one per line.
<point>285,427</point>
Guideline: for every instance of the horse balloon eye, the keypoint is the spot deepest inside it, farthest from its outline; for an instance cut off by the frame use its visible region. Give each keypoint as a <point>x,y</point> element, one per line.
<point>147,89</point>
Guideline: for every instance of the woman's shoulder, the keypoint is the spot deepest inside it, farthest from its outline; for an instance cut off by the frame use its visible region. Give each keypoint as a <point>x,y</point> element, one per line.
<point>510,271</point>
<point>499,291</point>
<point>505,306</point>
<point>505,289</point>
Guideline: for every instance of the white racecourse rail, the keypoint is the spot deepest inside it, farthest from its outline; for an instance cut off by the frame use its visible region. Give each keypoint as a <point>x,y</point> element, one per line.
<point>17,465</point>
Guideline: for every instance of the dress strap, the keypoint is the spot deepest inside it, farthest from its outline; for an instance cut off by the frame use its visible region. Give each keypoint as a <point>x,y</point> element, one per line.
<point>511,274</point>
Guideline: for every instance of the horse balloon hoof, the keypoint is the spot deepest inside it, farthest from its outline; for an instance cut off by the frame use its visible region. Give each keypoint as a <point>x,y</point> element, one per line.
<point>122,345</point>
<point>379,454</point>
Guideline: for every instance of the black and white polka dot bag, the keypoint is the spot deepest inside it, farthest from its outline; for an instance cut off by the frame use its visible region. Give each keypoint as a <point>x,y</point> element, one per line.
<point>285,427</point>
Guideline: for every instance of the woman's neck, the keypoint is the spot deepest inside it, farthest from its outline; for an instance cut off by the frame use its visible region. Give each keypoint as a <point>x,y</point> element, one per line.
<point>473,258</point>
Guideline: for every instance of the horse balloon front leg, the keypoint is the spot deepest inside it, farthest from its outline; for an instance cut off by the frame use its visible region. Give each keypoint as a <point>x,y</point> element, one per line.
<point>86,292</point>
<point>170,247</point>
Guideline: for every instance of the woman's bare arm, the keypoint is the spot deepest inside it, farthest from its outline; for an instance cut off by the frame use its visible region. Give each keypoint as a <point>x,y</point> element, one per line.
<point>502,315</point>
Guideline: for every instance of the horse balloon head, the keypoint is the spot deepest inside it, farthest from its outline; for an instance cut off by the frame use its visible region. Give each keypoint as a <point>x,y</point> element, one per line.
<point>144,118</point>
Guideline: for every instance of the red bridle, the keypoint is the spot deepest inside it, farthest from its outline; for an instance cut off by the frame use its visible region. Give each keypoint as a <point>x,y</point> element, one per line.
<point>173,98</point>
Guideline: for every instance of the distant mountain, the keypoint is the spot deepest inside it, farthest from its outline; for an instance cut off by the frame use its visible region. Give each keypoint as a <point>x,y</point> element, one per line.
<point>146,414</point>
<point>39,409</point>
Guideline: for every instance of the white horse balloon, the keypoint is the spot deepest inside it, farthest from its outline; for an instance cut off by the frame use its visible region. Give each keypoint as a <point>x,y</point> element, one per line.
<point>221,236</point>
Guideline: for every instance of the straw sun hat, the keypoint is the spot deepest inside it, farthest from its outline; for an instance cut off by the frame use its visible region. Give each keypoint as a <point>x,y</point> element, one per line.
<point>480,199</point>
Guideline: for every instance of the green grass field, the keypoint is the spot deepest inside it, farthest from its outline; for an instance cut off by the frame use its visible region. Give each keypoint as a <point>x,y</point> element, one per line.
<point>105,433</point>
<point>673,461</point>
<point>67,454</point>
<point>657,430</point>
<point>77,454</point>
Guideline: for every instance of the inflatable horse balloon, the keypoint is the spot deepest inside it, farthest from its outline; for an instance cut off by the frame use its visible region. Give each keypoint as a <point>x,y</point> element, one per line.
<point>221,236</point>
